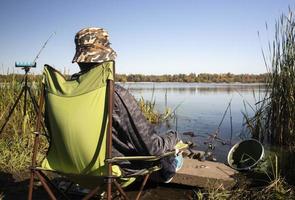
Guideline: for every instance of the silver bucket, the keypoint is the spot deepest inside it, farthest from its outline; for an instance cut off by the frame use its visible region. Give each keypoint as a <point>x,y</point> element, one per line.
<point>245,155</point>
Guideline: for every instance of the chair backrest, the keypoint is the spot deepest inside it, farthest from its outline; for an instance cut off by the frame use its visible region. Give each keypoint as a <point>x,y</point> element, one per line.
<point>76,116</point>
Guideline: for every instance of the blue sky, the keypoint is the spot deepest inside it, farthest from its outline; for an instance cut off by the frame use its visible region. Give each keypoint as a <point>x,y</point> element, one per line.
<point>150,36</point>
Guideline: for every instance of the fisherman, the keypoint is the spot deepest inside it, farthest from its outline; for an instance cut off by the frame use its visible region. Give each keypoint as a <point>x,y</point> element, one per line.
<point>132,134</point>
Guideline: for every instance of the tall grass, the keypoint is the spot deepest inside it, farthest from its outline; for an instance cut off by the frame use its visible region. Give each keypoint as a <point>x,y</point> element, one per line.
<point>16,140</point>
<point>281,107</point>
<point>275,115</point>
<point>18,122</point>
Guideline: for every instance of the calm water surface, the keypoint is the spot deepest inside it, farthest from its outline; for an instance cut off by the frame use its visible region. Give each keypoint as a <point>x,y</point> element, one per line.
<point>200,108</point>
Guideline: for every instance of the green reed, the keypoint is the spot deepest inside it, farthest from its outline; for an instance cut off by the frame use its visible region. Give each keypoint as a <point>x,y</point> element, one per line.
<point>151,114</point>
<point>148,108</point>
<point>274,116</point>
<point>281,107</point>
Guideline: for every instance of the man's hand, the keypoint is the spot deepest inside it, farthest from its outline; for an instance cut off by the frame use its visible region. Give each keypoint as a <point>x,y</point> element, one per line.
<point>178,147</point>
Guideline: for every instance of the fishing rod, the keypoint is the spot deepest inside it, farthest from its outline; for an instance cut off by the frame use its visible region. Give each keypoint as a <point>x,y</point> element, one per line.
<point>212,138</point>
<point>28,65</point>
<point>43,46</point>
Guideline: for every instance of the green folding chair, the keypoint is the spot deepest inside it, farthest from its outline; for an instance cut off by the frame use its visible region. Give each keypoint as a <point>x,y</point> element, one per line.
<point>78,118</point>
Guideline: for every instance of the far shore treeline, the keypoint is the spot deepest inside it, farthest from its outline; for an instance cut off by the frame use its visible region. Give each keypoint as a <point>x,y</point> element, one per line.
<point>188,78</point>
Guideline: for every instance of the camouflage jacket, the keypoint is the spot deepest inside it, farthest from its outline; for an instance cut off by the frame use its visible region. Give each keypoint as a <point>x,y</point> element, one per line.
<point>133,135</point>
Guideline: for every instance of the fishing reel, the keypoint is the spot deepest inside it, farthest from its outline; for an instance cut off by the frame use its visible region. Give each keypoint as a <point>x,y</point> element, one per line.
<point>209,153</point>
<point>211,144</point>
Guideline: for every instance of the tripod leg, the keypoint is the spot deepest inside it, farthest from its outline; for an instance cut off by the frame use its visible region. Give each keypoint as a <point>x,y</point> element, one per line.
<point>33,99</point>
<point>25,101</point>
<point>36,107</point>
<point>12,109</point>
<point>25,97</point>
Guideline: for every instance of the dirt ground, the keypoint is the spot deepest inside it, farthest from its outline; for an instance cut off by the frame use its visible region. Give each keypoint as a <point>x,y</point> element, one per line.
<point>13,187</point>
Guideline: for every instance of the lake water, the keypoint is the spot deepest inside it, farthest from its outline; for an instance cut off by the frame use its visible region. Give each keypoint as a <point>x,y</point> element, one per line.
<point>200,108</point>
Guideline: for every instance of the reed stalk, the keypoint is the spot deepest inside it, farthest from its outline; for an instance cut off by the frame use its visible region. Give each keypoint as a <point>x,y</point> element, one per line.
<point>274,116</point>
<point>280,111</point>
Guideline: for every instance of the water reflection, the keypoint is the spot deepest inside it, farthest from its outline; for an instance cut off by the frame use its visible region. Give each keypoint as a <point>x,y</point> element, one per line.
<point>193,87</point>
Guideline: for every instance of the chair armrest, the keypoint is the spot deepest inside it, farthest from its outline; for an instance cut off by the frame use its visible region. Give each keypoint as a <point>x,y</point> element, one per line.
<point>180,146</point>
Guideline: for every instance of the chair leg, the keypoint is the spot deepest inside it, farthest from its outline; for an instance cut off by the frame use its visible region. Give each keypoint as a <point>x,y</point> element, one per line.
<point>30,194</point>
<point>142,186</point>
<point>53,186</point>
<point>91,193</point>
<point>46,187</point>
<point>120,189</point>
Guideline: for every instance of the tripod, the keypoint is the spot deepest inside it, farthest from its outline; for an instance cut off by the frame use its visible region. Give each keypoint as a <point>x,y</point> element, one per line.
<point>26,90</point>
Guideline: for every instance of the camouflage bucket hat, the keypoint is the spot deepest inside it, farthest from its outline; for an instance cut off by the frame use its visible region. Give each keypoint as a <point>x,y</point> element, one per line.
<point>92,45</point>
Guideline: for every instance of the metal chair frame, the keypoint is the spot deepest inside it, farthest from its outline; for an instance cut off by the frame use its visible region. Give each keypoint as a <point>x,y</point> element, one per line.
<point>36,172</point>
